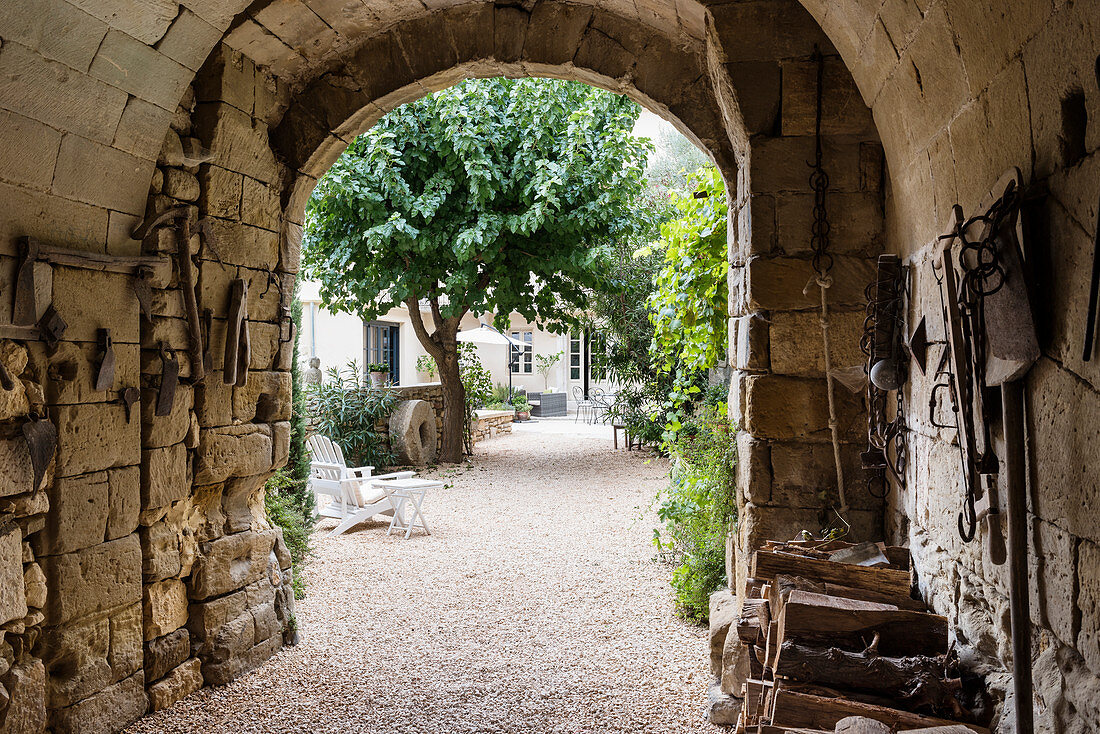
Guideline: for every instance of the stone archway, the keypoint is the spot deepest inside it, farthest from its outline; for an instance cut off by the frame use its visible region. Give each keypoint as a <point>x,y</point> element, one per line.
<point>958,89</point>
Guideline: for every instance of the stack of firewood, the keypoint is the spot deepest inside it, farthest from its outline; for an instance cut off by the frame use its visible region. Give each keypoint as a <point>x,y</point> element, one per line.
<point>832,631</point>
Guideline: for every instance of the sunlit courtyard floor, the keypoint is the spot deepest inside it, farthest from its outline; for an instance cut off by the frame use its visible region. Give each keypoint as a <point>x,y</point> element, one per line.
<point>534,606</point>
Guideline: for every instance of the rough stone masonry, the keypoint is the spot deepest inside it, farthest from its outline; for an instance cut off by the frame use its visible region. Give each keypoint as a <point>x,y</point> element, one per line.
<point>139,566</point>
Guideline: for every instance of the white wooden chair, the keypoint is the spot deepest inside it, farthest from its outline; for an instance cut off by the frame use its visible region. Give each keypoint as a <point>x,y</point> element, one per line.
<point>344,492</point>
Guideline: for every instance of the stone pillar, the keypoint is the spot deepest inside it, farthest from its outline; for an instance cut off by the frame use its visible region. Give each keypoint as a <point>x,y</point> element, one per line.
<point>786,473</point>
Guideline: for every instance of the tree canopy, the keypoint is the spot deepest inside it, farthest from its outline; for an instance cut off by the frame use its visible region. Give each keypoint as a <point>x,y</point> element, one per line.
<point>494,195</point>
<point>490,195</point>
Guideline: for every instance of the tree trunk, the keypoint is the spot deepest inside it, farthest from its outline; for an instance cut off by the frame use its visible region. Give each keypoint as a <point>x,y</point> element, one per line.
<point>442,345</point>
<point>454,405</point>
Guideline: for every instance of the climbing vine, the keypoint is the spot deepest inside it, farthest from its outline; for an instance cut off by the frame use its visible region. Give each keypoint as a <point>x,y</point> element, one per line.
<point>689,302</point>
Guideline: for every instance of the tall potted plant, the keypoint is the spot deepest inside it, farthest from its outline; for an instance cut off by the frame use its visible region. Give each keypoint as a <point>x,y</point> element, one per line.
<point>544,363</point>
<point>379,374</point>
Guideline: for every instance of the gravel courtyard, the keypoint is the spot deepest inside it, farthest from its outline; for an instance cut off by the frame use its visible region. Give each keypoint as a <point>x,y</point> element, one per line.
<point>534,606</point>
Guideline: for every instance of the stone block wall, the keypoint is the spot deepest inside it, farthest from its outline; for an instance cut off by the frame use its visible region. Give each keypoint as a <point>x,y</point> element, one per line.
<point>106,117</point>
<point>786,472</point>
<point>1017,89</point>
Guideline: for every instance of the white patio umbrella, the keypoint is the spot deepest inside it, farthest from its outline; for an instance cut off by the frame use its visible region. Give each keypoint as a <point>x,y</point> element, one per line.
<point>486,334</point>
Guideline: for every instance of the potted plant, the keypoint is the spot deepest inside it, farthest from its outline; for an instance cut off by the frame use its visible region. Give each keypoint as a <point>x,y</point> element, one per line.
<point>379,374</point>
<point>522,407</point>
<point>544,363</point>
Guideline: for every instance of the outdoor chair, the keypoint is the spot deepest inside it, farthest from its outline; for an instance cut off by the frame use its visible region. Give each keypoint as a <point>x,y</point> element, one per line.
<point>584,405</point>
<point>601,405</point>
<point>345,492</point>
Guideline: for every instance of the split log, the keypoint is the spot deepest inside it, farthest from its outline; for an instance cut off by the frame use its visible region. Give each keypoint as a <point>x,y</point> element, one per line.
<point>754,615</point>
<point>897,555</point>
<point>901,602</point>
<point>771,647</point>
<point>768,564</point>
<point>782,586</point>
<point>752,588</point>
<point>914,681</point>
<point>816,689</point>
<point>756,662</point>
<point>793,709</point>
<point>861,725</point>
<point>755,695</point>
<point>819,620</point>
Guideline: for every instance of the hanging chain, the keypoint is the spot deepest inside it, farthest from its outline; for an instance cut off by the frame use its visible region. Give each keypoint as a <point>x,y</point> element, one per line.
<point>823,264</point>
<point>983,275</point>
<point>819,182</point>
<point>885,434</point>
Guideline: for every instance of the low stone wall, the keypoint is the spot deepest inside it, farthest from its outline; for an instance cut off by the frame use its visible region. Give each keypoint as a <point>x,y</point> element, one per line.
<point>489,423</point>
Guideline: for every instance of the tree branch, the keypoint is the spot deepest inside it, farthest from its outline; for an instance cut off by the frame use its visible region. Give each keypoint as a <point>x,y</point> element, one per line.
<point>437,315</point>
<point>428,340</point>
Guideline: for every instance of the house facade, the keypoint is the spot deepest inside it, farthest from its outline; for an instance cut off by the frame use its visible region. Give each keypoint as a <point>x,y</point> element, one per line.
<point>339,338</point>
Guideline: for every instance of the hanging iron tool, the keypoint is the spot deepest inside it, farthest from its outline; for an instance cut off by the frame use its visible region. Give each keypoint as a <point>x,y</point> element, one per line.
<point>1094,291</point>
<point>129,396</point>
<point>41,437</point>
<point>25,306</point>
<point>993,342</point>
<point>882,345</point>
<point>105,375</point>
<point>169,379</point>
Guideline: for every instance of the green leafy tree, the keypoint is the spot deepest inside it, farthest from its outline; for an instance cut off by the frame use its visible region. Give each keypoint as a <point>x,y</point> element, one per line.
<point>489,196</point>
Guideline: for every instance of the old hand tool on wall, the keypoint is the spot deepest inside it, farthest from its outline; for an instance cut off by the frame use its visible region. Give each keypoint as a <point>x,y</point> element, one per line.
<point>129,396</point>
<point>105,375</point>
<point>180,218</point>
<point>169,378</point>
<point>993,342</point>
<point>881,343</point>
<point>25,307</point>
<point>1094,292</point>
<point>41,437</point>
<point>238,346</point>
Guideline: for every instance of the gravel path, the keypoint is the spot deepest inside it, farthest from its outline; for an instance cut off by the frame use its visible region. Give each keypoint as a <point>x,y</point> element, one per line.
<point>535,606</point>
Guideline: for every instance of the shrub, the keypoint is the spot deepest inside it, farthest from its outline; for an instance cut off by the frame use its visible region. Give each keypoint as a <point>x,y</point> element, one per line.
<point>499,394</point>
<point>281,500</point>
<point>348,410</point>
<point>287,498</point>
<point>698,508</point>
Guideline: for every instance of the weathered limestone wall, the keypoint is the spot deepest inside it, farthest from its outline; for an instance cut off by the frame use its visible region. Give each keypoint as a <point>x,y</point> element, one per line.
<point>960,92</point>
<point>787,479</point>
<point>171,570</point>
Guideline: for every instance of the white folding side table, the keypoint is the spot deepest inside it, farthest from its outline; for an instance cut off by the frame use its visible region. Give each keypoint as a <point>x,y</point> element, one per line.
<point>407,494</point>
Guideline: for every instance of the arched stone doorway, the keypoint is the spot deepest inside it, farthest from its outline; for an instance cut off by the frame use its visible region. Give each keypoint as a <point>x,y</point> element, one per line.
<point>958,91</point>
